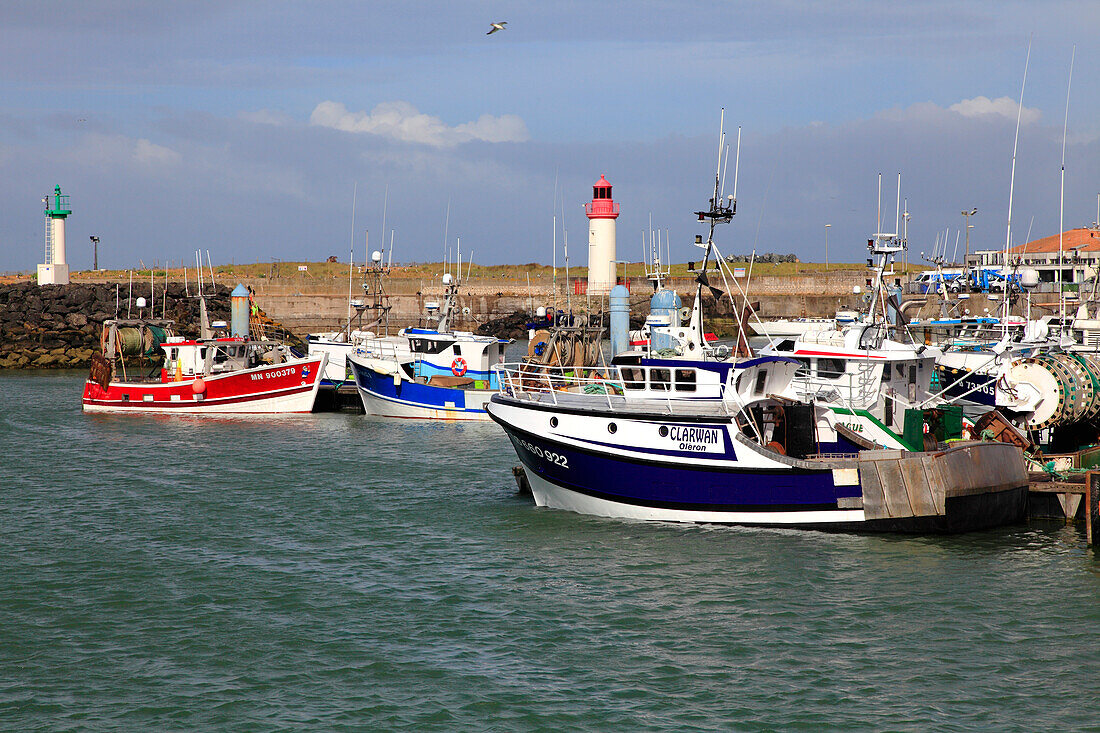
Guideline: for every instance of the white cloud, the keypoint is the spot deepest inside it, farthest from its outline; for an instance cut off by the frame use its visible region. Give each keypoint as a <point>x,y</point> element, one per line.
<point>153,154</point>
<point>402,121</point>
<point>1003,106</point>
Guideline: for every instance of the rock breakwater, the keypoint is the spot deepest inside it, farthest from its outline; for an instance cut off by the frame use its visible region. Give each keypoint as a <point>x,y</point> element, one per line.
<point>59,326</point>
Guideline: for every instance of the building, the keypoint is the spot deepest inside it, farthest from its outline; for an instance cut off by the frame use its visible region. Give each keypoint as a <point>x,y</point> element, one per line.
<point>1080,256</point>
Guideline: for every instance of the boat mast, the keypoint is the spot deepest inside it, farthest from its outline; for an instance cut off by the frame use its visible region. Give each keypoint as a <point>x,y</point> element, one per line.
<point>351,255</point>
<point>1062,201</point>
<point>720,211</point>
<point>1011,190</point>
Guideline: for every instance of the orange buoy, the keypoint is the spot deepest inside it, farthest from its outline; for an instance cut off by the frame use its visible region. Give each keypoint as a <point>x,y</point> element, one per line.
<point>198,386</point>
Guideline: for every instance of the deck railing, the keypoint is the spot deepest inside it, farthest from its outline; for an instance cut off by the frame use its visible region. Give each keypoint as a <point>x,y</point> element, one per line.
<point>605,385</point>
<point>545,383</point>
<point>380,349</point>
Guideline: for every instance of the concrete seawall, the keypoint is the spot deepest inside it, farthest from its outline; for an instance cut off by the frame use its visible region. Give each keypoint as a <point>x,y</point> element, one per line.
<point>306,305</point>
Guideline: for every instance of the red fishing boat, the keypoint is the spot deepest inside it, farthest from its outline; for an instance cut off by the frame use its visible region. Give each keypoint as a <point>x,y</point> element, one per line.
<point>144,367</point>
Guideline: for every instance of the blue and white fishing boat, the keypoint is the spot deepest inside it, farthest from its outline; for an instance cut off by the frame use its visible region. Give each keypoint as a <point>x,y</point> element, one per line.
<point>714,440</point>
<point>726,442</point>
<point>441,374</point>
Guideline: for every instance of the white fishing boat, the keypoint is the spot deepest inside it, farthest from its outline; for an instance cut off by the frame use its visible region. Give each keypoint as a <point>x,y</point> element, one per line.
<point>698,438</point>
<point>872,375</point>
<point>790,327</point>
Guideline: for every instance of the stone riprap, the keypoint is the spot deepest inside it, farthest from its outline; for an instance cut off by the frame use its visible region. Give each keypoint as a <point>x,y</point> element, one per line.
<point>59,326</point>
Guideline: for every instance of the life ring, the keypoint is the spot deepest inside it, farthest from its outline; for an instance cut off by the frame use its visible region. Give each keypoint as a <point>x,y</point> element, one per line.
<point>458,366</point>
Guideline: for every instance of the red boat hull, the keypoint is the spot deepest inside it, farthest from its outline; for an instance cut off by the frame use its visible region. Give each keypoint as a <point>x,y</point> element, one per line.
<point>281,388</point>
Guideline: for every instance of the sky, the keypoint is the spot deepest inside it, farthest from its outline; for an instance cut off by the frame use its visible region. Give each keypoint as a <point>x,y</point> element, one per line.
<point>252,129</point>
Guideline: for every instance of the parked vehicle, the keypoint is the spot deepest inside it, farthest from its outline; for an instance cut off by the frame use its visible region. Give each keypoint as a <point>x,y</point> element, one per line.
<point>992,279</point>
<point>931,281</point>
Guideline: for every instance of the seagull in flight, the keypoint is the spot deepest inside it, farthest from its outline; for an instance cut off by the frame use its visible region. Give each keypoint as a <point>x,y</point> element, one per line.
<point>496,27</point>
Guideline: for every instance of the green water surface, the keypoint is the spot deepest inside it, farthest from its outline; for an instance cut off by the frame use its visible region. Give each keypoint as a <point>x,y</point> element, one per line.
<point>337,572</point>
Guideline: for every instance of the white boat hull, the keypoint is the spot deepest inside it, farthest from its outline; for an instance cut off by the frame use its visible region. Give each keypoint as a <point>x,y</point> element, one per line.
<point>387,392</point>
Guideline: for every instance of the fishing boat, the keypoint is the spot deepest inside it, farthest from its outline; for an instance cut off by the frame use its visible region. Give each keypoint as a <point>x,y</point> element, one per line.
<point>442,374</point>
<point>145,367</point>
<point>699,438</point>
<point>790,327</point>
<point>872,374</point>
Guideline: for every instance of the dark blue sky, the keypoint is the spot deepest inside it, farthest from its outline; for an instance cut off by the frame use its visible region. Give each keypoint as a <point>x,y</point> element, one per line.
<point>242,127</point>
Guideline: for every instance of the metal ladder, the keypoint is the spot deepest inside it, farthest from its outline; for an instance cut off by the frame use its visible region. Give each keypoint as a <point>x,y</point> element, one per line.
<point>49,241</point>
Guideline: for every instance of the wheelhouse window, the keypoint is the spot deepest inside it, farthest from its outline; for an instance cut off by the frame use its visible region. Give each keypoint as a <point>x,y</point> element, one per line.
<point>685,380</point>
<point>830,368</point>
<point>633,377</point>
<point>428,346</point>
<point>659,379</point>
<point>761,382</point>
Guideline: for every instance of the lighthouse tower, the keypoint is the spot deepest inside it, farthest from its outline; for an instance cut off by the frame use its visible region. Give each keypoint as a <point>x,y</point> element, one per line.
<point>602,212</point>
<point>55,271</point>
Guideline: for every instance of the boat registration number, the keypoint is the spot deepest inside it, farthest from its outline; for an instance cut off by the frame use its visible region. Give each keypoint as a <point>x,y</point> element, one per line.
<point>288,372</point>
<point>547,455</point>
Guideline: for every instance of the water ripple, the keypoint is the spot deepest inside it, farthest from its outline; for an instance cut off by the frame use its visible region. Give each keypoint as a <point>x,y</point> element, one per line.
<point>334,572</point>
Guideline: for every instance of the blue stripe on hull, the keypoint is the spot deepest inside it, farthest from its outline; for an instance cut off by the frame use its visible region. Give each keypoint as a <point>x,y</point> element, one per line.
<point>421,395</point>
<point>676,486</point>
<point>426,369</point>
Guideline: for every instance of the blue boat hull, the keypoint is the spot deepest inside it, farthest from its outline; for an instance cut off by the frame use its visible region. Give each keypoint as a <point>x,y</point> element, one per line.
<point>639,483</point>
<point>413,400</point>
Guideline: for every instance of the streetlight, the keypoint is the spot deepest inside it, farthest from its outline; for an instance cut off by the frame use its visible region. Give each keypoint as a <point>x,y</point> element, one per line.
<point>827,247</point>
<point>966,259</point>
<point>95,252</point>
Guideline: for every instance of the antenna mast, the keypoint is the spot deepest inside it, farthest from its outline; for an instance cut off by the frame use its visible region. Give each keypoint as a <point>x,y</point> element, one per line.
<point>1011,190</point>
<point>1062,196</point>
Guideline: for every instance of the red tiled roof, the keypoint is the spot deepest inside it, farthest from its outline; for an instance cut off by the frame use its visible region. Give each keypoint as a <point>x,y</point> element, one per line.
<point>1082,240</point>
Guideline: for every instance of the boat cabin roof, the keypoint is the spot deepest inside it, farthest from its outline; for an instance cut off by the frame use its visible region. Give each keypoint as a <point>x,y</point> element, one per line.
<point>431,333</point>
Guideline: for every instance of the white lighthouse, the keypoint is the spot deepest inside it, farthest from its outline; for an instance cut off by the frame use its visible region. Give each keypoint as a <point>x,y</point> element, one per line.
<point>602,212</point>
<point>55,270</point>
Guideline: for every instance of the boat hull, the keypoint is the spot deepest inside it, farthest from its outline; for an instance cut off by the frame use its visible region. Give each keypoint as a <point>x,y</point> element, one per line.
<point>385,396</point>
<point>701,479</point>
<point>281,388</point>
<point>574,462</point>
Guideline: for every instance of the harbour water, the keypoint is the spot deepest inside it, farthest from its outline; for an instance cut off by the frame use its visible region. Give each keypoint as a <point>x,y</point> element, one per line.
<point>335,572</point>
